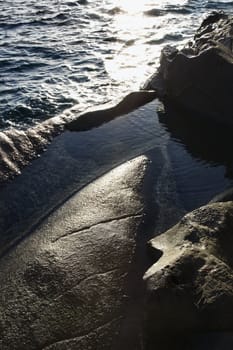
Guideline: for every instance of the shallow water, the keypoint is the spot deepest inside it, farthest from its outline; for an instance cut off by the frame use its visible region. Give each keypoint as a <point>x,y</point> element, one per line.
<point>74,160</point>
<point>65,54</point>
<point>61,53</point>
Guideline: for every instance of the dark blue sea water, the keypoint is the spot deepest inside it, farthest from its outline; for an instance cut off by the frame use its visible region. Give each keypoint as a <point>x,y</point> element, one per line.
<point>60,53</point>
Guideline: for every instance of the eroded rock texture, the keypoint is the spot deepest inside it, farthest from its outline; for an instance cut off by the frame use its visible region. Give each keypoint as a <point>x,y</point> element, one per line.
<point>199,77</point>
<point>190,288</point>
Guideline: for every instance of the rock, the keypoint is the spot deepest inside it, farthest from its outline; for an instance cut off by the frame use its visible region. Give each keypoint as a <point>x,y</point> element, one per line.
<point>199,77</point>
<point>71,283</point>
<point>93,119</point>
<point>190,287</point>
<point>70,229</point>
<point>154,12</point>
<point>225,196</point>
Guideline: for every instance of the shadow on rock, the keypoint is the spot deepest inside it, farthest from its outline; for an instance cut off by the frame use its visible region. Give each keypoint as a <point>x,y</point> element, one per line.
<point>208,141</point>
<point>189,289</point>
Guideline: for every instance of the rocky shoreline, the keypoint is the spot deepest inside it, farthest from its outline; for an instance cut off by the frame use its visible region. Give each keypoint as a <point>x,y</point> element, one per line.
<point>198,78</point>
<point>97,250</point>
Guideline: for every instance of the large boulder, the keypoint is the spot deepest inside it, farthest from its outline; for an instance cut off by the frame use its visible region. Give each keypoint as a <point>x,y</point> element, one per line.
<point>190,287</point>
<point>199,76</point>
<point>74,283</point>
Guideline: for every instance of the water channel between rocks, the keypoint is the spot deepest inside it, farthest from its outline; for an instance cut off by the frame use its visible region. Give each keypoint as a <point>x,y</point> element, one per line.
<point>75,159</point>
<point>72,224</point>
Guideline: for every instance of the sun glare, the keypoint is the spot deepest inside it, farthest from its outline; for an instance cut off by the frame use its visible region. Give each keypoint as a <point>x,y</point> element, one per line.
<point>131,6</point>
<point>136,6</point>
<point>140,38</point>
<point>130,62</point>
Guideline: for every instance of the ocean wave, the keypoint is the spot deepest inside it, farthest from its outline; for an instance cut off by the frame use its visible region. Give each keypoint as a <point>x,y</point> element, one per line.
<point>115,11</point>
<point>219,5</point>
<point>154,12</point>
<point>82,2</point>
<point>41,51</point>
<point>112,39</point>
<point>165,38</point>
<point>31,110</point>
<point>93,16</point>
<point>24,66</point>
<point>178,10</point>
<point>57,19</point>
<point>5,63</point>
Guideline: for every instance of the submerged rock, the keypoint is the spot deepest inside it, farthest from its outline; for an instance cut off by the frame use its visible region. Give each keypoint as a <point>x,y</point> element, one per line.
<point>199,77</point>
<point>190,287</point>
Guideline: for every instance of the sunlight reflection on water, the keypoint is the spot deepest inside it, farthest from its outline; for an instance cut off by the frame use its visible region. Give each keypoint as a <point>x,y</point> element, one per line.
<point>62,53</point>
<point>143,28</point>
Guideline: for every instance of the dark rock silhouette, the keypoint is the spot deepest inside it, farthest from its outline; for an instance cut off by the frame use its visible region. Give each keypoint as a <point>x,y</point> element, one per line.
<point>96,118</point>
<point>225,196</point>
<point>199,77</point>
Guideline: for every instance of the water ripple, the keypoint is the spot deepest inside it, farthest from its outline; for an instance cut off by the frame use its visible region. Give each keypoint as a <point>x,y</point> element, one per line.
<point>84,52</point>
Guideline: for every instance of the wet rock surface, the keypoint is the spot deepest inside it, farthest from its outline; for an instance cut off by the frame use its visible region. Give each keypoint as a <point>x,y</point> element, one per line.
<point>190,287</point>
<point>96,118</point>
<point>199,77</point>
<point>69,284</point>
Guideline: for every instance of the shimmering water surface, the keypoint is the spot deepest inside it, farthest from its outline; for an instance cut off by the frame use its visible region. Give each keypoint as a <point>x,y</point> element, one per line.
<point>60,53</point>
